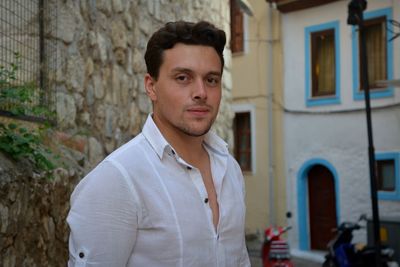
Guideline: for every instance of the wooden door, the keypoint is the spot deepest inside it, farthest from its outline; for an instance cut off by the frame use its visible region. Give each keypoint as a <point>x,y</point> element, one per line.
<point>322,206</point>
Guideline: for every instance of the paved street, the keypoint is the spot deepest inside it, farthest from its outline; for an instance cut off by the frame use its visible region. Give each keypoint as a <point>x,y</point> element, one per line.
<point>256,262</point>
<point>299,260</point>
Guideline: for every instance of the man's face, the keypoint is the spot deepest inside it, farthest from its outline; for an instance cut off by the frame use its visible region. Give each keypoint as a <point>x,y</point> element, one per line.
<point>187,93</point>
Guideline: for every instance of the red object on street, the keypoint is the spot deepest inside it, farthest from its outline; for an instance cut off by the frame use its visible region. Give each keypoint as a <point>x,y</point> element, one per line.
<point>275,250</point>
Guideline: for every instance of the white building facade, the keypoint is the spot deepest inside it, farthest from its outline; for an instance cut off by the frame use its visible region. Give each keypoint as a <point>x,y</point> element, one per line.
<point>325,132</point>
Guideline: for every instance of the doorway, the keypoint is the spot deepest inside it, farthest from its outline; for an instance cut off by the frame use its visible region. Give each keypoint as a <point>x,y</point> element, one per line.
<point>322,206</point>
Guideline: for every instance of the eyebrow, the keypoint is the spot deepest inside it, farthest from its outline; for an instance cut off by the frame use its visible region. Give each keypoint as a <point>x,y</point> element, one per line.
<point>187,70</point>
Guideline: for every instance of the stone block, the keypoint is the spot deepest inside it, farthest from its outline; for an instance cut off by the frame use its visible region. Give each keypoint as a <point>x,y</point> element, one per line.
<point>103,47</point>
<point>75,75</point>
<point>89,67</point>
<point>66,110</point>
<point>96,153</point>
<point>78,101</point>
<point>118,6</point>
<point>75,142</point>
<point>118,34</point>
<point>98,87</point>
<point>89,95</point>
<point>109,122</point>
<point>120,56</point>
<point>66,25</point>
<point>3,218</point>
<point>104,6</point>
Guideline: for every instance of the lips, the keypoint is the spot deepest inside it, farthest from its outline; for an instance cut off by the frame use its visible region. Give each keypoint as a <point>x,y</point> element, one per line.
<point>198,110</point>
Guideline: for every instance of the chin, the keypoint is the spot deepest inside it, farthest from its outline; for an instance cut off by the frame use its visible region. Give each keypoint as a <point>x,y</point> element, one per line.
<point>196,132</point>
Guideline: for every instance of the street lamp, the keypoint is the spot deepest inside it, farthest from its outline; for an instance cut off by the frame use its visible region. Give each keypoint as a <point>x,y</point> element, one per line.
<point>355,17</point>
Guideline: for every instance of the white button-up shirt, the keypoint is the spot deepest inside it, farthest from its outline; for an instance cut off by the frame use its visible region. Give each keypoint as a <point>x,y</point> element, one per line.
<point>144,206</point>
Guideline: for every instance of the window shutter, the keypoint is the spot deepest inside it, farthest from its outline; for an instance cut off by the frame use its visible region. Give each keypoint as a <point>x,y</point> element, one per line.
<point>237,39</point>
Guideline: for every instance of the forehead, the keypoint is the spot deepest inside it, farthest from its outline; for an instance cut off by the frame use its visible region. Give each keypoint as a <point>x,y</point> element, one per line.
<point>191,57</point>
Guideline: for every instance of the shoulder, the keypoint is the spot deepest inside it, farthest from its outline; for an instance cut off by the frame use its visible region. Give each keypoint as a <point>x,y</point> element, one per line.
<point>133,147</point>
<point>234,164</point>
<point>111,172</point>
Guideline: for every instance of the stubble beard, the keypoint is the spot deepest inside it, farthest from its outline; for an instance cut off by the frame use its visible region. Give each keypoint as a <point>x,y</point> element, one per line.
<point>188,130</point>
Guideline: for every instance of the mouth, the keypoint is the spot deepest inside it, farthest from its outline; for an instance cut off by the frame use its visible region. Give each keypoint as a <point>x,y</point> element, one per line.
<point>198,111</point>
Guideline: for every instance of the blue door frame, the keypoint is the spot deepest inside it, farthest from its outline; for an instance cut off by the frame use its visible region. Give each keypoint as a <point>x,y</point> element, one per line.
<point>302,198</point>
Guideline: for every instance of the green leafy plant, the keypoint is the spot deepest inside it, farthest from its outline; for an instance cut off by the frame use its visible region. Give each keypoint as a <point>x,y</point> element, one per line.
<point>16,140</point>
<point>21,99</point>
<point>20,142</point>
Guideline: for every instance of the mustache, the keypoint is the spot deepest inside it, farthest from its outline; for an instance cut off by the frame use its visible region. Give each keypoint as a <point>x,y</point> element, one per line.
<point>201,107</point>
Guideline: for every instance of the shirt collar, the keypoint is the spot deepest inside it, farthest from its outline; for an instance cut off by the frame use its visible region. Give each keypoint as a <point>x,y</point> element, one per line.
<point>216,143</point>
<point>154,136</point>
<point>159,143</point>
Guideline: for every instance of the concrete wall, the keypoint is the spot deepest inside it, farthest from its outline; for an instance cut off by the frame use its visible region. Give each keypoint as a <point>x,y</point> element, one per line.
<point>257,87</point>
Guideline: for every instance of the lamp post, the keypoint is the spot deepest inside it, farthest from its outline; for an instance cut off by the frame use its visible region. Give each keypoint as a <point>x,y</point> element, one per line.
<point>355,17</point>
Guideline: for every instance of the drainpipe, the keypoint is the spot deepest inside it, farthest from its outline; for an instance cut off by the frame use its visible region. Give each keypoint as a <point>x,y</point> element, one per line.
<point>270,92</point>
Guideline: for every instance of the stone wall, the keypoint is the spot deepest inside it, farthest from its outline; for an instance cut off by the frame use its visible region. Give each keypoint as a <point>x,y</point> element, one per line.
<point>33,209</point>
<point>100,92</point>
<point>101,104</point>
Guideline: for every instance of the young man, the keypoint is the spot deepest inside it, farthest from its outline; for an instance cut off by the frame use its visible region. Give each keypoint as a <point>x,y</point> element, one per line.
<point>173,195</point>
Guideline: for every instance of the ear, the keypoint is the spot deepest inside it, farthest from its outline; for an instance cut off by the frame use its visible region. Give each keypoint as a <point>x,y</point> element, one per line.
<point>149,84</point>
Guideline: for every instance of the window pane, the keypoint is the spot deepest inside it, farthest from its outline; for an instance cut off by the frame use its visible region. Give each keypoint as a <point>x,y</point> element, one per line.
<point>386,175</point>
<point>375,36</point>
<point>323,61</point>
<point>242,132</point>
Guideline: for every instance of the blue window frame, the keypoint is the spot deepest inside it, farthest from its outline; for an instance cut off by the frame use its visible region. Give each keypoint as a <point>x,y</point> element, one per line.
<point>381,92</point>
<point>392,170</point>
<point>334,98</point>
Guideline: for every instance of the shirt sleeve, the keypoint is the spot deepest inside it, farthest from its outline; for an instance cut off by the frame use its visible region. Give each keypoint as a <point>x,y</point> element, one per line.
<point>102,219</point>
<point>245,260</point>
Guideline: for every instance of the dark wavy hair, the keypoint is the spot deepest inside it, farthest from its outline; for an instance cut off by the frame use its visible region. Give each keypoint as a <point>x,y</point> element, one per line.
<point>200,33</point>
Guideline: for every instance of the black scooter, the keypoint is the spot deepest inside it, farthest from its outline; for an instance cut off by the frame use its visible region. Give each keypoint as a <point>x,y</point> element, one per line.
<point>343,253</point>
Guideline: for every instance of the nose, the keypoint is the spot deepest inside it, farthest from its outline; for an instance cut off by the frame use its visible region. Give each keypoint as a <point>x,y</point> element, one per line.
<point>199,90</point>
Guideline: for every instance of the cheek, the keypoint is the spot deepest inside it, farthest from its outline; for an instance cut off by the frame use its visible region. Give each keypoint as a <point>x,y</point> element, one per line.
<point>215,96</point>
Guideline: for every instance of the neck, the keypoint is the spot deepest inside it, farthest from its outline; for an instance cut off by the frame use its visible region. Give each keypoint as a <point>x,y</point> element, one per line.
<point>190,148</point>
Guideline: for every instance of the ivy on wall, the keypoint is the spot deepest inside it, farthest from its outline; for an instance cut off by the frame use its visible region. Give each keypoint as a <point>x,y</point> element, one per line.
<point>16,139</point>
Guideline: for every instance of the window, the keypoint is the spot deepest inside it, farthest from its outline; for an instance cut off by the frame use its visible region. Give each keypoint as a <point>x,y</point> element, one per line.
<point>388,175</point>
<point>237,27</point>
<point>242,133</point>
<point>322,64</point>
<point>244,136</point>
<point>379,54</point>
<point>385,175</point>
<point>375,37</point>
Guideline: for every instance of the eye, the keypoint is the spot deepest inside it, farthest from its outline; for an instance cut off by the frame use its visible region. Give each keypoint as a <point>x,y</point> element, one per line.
<point>213,81</point>
<point>182,78</point>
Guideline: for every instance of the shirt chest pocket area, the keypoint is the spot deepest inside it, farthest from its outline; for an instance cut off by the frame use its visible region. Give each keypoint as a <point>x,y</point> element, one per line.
<point>157,231</point>
<point>157,219</point>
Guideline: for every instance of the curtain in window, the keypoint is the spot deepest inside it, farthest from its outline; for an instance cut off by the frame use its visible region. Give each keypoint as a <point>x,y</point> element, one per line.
<point>386,175</point>
<point>325,65</point>
<point>242,133</point>
<point>376,53</point>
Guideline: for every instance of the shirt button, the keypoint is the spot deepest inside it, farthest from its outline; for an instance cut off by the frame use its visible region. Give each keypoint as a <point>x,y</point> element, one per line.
<point>81,255</point>
<point>206,200</point>
<point>188,167</point>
